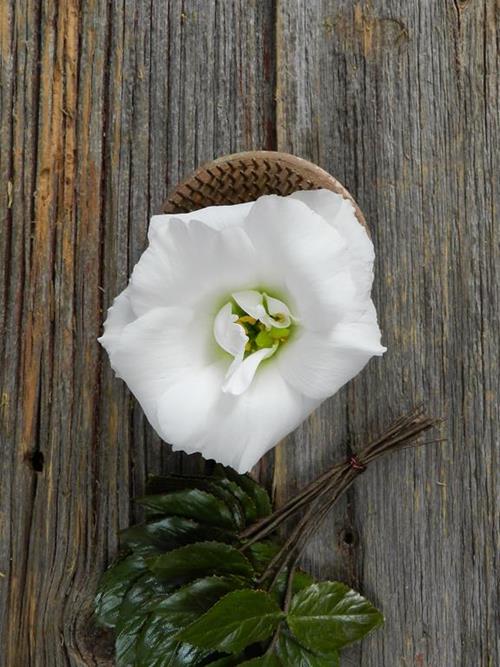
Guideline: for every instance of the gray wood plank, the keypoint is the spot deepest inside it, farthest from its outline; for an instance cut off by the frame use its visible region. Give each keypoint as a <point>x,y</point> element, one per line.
<point>105,106</point>
<point>400,102</point>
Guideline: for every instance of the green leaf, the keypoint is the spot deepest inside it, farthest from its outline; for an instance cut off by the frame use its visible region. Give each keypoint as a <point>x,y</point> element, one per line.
<point>326,616</point>
<point>113,586</point>
<point>158,644</point>
<point>191,504</point>
<point>266,660</point>
<point>241,618</point>
<point>130,629</point>
<point>132,616</point>
<point>301,580</point>
<point>223,488</point>
<point>245,501</point>
<point>169,483</point>
<point>226,661</point>
<point>261,553</point>
<point>145,587</point>
<point>257,494</point>
<point>290,652</point>
<point>253,489</point>
<point>198,560</point>
<point>192,600</point>
<point>170,533</point>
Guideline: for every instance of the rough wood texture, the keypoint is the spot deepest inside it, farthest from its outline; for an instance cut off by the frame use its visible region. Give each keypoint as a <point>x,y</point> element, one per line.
<point>399,100</point>
<point>105,106</point>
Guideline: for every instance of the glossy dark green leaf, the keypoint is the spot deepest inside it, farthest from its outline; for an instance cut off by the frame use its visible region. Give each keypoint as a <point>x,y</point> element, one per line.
<point>266,660</point>
<point>239,619</point>
<point>173,612</point>
<point>287,652</point>
<point>128,631</point>
<point>226,661</point>
<point>326,616</point>
<point>170,483</point>
<point>301,580</point>
<point>158,646</point>
<point>290,652</point>
<point>253,489</point>
<point>201,506</point>
<point>170,533</point>
<point>186,604</point>
<point>222,488</point>
<point>245,501</point>
<point>132,616</point>
<point>261,554</point>
<point>199,560</point>
<point>113,587</point>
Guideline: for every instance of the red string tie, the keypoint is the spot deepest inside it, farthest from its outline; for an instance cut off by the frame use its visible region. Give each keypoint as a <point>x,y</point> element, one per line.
<point>356,464</point>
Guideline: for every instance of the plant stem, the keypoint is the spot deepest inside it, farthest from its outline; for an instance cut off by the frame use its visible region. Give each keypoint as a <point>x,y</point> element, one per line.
<point>322,494</point>
<point>400,427</point>
<point>261,528</point>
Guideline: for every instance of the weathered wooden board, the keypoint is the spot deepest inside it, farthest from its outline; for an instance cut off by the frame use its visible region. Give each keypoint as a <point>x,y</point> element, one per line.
<point>104,107</point>
<point>399,100</point>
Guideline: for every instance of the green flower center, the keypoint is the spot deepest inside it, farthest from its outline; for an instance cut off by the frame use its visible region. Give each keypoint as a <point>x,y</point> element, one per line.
<point>259,336</point>
<point>250,326</point>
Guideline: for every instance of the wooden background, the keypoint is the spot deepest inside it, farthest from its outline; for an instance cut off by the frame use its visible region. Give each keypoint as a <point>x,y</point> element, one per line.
<point>105,105</point>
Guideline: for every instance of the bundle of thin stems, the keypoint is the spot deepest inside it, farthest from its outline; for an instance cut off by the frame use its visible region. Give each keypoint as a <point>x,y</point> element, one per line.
<point>321,494</point>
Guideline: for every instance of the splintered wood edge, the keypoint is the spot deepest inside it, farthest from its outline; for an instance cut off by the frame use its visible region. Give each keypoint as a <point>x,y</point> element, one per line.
<point>310,172</point>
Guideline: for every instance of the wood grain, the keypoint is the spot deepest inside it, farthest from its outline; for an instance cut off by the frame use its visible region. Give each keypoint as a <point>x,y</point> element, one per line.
<point>105,106</point>
<point>400,102</point>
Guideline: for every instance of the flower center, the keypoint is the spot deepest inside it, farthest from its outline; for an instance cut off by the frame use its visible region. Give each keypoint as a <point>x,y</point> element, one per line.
<point>250,327</point>
<point>260,336</point>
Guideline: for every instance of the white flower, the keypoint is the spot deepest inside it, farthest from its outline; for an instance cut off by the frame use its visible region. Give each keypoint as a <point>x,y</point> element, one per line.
<point>238,321</point>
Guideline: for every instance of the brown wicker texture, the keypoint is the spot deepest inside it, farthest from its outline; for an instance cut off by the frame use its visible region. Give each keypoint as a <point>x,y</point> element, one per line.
<point>243,177</point>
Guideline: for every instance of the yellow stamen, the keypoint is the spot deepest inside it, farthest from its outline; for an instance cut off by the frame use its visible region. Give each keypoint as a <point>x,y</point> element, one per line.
<point>246,319</point>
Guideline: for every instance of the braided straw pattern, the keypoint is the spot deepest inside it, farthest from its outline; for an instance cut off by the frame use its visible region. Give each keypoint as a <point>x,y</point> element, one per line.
<point>243,177</point>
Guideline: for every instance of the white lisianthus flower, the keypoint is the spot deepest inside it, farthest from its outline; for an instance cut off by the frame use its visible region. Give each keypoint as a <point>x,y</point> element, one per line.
<point>238,321</point>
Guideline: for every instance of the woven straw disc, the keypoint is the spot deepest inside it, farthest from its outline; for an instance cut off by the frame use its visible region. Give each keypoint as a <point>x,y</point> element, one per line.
<point>243,177</point>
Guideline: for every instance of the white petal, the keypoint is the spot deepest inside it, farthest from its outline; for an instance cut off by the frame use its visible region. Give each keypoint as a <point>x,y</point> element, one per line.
<point>189,263</point>
<point>158,350</point>
<point>163,360</point>
<point>243,428</point>
<point>276,307</point>
<point>186,409</point>
<point>217,217</point>
<point>251,302</point>
<point>119,315</point>
<point>241,373</point>
<point>324,202</point>
<point>230,336</point>
<point>309,253</point>
<point>340,214</point>
<point>318,364</point>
